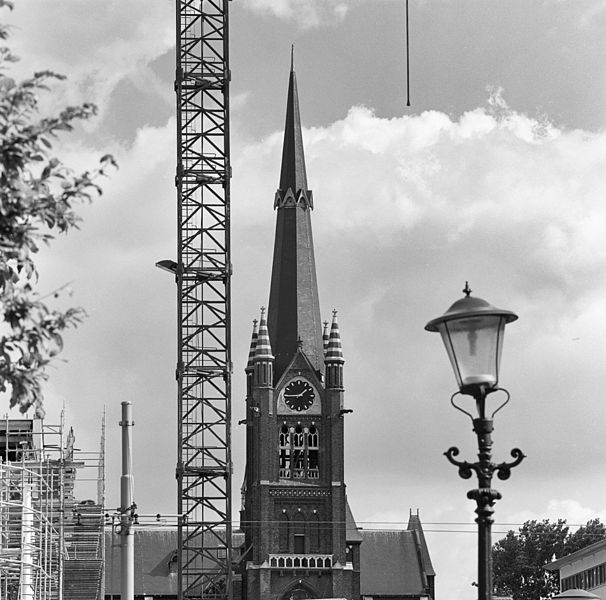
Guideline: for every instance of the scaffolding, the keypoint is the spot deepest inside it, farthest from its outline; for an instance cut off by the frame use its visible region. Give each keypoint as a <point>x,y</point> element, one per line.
<point>50,544</point>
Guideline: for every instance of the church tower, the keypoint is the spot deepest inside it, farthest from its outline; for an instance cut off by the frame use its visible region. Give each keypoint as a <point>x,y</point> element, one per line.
<point>300,537</point>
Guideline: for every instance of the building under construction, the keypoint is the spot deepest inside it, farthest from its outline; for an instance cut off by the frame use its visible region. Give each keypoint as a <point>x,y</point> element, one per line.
<point>50,543</point>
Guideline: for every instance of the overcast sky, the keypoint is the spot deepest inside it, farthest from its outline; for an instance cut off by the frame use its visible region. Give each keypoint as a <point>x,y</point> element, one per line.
<point>496,174</point>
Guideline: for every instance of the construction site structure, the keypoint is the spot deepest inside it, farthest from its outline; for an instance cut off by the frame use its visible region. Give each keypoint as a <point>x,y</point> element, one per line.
<point>51,545</point>
<point>203,271</point>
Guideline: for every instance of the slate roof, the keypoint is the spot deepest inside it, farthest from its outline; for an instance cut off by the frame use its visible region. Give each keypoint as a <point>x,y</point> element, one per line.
<point>352,534</point>
<point>292,173</point>
<point>293,316</point>
<point>392,562</point>
<point>155,553</point>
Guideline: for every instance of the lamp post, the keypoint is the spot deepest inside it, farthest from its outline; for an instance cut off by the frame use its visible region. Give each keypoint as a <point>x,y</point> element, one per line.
<point>472,331</point>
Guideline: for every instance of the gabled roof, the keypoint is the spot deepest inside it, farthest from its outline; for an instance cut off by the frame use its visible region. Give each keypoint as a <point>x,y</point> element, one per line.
<point>299,362</point>
<point>352,533</point>
<point>414,524</point>
<point>389,564</point>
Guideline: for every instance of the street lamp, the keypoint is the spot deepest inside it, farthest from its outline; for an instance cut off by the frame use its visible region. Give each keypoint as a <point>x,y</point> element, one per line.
<point>472,331</point>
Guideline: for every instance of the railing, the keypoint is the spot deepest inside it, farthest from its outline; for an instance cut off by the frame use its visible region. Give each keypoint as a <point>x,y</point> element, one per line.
<point>311,473</point>
<point>300,561</point>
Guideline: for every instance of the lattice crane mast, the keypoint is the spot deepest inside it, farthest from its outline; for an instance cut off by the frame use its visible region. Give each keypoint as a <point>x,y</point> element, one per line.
<point>203,271</point>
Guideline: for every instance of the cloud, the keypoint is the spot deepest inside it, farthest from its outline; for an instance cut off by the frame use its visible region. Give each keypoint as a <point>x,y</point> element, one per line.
<point>595,10</point>
<point>406,209</point>
<point>525,190</point>
<point>96,54</point>
<point>306,13</point>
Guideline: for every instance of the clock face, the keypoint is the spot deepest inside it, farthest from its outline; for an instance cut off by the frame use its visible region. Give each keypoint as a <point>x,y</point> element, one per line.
<point>299,395</point>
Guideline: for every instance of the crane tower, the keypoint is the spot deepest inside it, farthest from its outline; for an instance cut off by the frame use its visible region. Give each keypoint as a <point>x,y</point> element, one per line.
<point>203,273</point>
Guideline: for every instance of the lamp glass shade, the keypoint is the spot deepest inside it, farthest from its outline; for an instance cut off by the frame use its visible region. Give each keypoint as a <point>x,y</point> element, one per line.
<point>474,345</point>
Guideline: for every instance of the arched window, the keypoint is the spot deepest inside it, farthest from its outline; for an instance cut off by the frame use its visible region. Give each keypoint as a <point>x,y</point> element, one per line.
<point>313,448</point>
<point>299,533</point>
<point>284,448</point>
<point>314,533</point>
<point>283,532</point>
<point>298,593</point>
<point>299,452</point>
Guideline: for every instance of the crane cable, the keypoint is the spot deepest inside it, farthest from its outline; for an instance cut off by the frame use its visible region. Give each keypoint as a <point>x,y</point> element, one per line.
<point>407,59</point>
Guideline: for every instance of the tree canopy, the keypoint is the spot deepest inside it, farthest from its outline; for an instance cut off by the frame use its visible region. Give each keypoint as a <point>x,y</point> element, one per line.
<point>38,193</point>
<point>520,557</point>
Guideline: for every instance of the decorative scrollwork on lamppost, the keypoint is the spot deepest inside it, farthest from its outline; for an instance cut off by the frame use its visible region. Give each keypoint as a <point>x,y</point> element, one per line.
<point>472,331</point>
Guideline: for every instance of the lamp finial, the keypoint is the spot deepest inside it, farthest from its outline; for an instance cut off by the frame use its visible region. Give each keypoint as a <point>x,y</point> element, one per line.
<point>467,289</point>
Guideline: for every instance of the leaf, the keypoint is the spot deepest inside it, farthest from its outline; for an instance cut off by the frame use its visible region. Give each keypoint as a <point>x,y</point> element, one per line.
<point>39,196</point>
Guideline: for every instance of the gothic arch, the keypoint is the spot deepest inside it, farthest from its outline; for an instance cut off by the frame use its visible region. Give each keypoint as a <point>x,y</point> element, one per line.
<point>299,590</point>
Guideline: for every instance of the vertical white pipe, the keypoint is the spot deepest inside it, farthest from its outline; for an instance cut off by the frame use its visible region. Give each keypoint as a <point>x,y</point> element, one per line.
<point>127,541</point>
<point>27,526</point>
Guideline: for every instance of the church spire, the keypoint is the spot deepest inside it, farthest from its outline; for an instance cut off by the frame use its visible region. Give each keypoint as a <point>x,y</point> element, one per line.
<point>293,176</point>
<point>294,307</point>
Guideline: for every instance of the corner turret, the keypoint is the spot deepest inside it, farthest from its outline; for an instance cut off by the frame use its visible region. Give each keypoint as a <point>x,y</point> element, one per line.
<point>334,356</point>
<point>251,357</point>
<point>263,360</point>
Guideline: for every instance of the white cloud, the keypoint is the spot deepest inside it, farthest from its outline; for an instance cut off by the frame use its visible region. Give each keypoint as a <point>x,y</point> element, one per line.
<point>96,53</point>
<point>306,13</point>
<point>341,10</point>
<point>571,509</point>
<point>406,210</point>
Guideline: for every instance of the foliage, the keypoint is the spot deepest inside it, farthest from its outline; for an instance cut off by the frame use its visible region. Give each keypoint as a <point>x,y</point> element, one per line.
<point>585,535</point>
<point>519,558</point>
<point>37,198</point>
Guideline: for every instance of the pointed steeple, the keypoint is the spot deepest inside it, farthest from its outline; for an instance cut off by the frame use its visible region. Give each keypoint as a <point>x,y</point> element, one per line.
<point>325,336</point>
<point>334,357</point>
<point>263,345</point>
<point>253,344</point>
<point>334,352</point>
<point>263,359</point>
<point>293,175</point>
<point>294,307</point>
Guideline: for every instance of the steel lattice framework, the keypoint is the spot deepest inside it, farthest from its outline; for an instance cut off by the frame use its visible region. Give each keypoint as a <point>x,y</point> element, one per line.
<point>203,306</point>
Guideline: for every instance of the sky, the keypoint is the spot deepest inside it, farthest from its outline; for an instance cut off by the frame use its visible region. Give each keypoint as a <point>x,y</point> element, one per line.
<point>494,175</point>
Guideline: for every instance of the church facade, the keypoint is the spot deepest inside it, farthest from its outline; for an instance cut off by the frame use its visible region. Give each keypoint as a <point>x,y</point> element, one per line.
<point>301,540</point>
